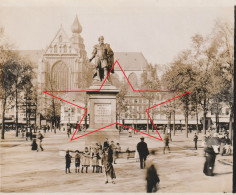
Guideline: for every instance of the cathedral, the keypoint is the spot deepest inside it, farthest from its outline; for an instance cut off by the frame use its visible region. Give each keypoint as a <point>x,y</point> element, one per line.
<point>64,61</point>
<point>64,66</point>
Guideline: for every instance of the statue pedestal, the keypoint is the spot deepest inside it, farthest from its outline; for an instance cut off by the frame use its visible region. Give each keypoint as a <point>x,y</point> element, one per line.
<point>102,110</point>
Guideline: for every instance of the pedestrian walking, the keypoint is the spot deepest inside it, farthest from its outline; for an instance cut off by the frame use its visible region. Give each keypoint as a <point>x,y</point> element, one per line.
<point>195,138</point>
<point>68,161</point>
<point>128,153</point>
<point>106,143</point>
<point>166,143</point>
<point>143,152</point>
<point>34,145</point>
<point>94,159</point>
<point>40,138</point>
<point>100,162</point>
<point>107,162</point>
<point>151,173</point>
<point>27,135</point>
<point>113,147</point>
<point>23,132</point>
<point>45,130</point>
<point>210,161</point>
<point>117,151</point>
<point>85,160</point>
<point>77,161</point>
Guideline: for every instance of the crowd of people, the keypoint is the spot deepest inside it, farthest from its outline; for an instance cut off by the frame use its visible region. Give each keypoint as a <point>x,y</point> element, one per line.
<point>100,158</point>
<point>97,157</point>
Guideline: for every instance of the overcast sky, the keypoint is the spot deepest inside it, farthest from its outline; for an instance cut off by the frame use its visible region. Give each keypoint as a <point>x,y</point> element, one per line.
<point>157,28</point>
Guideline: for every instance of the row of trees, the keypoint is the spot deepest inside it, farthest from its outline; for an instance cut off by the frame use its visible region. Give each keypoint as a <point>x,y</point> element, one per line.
<point>16,76</point>
<point>206,70</point>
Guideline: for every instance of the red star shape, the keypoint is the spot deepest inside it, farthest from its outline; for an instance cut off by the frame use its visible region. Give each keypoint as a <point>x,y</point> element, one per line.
<point>150,91</point>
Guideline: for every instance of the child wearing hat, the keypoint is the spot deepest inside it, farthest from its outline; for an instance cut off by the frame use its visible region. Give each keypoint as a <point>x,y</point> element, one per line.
<point>85,160</point>
<point>77,161</point>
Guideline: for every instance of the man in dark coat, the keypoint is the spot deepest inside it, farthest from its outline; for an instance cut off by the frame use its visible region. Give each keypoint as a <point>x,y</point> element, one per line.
<point>106,144</point>
<point>210,161</point>
<point>195,138</point>
<point>143,152</point>
<point>68,161</point>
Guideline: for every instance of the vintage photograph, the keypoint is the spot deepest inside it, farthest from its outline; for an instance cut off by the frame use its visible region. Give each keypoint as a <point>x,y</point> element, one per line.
<point>114,96</point>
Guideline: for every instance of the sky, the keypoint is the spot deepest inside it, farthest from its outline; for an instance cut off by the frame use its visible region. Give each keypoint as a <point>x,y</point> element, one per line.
<point>160,29</point>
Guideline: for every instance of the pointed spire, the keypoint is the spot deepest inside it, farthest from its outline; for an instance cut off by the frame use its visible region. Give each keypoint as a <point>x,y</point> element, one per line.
<point>76,27</point>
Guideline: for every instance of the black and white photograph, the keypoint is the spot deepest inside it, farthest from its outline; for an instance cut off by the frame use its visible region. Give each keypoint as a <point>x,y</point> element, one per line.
<point>117,96</point>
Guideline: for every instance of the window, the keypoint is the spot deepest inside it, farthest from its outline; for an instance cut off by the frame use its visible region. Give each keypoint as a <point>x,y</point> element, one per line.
<point>55,49</point>
<point>65,49</point>
<point>60,38</point>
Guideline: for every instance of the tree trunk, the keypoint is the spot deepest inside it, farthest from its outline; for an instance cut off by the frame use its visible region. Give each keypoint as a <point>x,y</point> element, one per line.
<point>148,118</point>
<point>197,117</point>
<point>204,122</point>
<point>169,123</point>
<point>3,117</point>
<point>231,126</point>
<point>85,118</point>
<point>217,122</point>
<point>186,122</point>
<point>174,121</point>
<point>16,112</point>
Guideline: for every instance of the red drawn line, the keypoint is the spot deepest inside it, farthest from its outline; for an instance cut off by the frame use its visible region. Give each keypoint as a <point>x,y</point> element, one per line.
<point>116,62</point>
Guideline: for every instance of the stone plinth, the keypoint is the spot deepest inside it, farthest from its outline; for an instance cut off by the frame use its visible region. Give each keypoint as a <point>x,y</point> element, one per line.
<point>102,110</point>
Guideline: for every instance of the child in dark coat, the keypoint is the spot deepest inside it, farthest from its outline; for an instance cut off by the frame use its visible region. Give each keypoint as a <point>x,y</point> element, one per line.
<point>77,161</point>
<point>68,161</point>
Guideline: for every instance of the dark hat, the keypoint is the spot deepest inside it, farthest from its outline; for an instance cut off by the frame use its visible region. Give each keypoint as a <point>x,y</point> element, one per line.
<point>77,151</point>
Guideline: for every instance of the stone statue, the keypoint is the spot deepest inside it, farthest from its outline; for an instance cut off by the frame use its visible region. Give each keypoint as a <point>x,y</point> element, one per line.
<point>104,59</point>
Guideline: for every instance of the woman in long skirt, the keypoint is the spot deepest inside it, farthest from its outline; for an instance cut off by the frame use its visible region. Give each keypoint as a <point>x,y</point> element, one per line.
<point>210,161</point>
<point>85,160</point>
<point>100,160</point>
<point>94,159</point>
<point>107,162</point>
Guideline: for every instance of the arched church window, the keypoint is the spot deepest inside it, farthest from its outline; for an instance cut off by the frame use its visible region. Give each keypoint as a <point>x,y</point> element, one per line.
<point>65,49</point>
<point>55,49</point>
<point>60,76</point>
<point>60,38</point>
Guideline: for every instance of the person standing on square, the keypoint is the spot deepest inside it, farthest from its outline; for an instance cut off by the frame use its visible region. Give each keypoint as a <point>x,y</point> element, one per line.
<point>143,152</point>
<point>77,161</point>
<point>68,161</point>
<point>195,138</point>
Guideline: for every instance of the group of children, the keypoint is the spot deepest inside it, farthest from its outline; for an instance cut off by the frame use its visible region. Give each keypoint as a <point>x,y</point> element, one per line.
<point>91,156</point>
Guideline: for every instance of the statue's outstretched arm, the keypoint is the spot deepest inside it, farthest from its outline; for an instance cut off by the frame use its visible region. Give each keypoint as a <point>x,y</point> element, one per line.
<point>93,54</point>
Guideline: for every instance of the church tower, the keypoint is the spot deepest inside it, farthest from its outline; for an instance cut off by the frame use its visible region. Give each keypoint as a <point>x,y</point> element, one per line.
<point>62,64</point>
